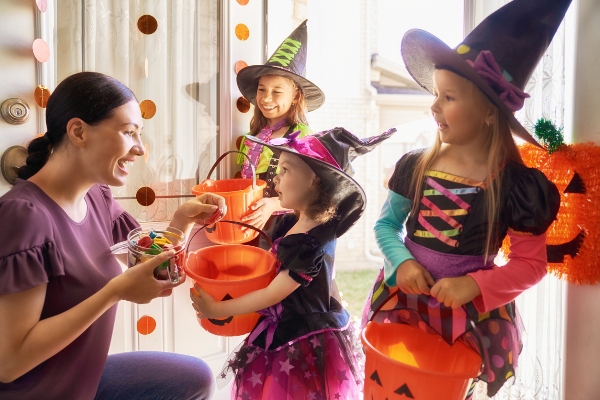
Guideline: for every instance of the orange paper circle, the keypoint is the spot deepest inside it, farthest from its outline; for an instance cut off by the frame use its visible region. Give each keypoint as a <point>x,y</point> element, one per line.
<point>148,109</point>
<point>243,2</point>
<point>243,105</point>
<point>240,65</point>
<point>242,32</point>
<point>41,51</point>
<point>147,24</point>
<point>146,325</point>
<point>41,95</point>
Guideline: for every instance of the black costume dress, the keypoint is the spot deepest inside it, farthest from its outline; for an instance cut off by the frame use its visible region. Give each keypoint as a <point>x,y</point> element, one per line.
<point>303,347</point>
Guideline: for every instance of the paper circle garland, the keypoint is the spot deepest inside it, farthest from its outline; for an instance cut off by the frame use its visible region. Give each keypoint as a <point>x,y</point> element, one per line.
<point>146,325</point>
<point>147,24</point>
<point>148,109</point>
<point>145,196</point>
<point>41,95</point>
<point>41,51</point>
<point>243,105</point>
<point>242,32</point>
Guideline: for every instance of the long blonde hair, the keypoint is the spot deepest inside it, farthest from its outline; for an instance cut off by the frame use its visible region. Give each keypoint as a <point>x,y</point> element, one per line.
<point>500,149</point>
<point>296,114</point>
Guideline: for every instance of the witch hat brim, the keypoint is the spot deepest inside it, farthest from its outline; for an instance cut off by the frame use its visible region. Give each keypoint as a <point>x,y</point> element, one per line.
<point>247,81</point>
<point>423,53</point>
<point>516,37</point>
<point>347,193</point>
<point>289,61</point>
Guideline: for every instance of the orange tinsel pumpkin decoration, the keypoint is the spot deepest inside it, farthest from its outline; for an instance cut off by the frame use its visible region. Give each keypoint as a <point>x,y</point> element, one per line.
<point>572,238</point>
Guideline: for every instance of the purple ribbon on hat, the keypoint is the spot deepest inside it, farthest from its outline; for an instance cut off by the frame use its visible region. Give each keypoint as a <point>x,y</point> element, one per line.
<point>272,314</point>
<point>308,146</point>
<point>486,66</point>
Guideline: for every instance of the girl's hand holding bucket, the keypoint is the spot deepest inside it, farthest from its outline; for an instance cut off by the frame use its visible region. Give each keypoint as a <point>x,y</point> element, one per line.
<point>261,211</point>
<point>203,303</point>
<point>138,284</point>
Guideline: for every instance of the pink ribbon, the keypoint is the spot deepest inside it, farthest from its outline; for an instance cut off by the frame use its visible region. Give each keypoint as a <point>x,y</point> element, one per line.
<point>308,146</point>
<point>272,314</point>
<point>486,66</point>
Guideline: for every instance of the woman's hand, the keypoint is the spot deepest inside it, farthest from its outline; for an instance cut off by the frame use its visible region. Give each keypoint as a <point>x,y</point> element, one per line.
<point>203,303</point>
<point>138,284</point>
<point>204,209</point>
<point>454,292</point>
<point>413,278</point>
<point>262,211</point>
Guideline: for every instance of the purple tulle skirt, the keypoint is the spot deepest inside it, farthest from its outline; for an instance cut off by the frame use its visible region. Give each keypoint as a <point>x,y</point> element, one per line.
<point>322,365</point>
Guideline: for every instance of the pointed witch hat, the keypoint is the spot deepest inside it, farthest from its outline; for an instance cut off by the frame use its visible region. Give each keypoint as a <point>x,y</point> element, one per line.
<point>289,60</point>
<point>498,56</point>
<point>330,154</point>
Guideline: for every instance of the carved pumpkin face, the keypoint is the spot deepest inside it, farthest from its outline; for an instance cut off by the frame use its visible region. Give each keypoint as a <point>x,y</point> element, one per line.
<point>376,390</point>
<point>572,238</point>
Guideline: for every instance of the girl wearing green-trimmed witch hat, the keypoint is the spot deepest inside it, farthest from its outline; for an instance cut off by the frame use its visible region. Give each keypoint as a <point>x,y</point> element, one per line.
<point>281,96</point>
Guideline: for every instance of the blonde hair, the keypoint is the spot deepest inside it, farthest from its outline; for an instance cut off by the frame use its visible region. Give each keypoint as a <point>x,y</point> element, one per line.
<point>500,149</point>
<point>296,114</point>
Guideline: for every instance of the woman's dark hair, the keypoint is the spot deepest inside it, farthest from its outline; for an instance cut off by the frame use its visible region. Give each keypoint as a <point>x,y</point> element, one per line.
<point>91,96</point>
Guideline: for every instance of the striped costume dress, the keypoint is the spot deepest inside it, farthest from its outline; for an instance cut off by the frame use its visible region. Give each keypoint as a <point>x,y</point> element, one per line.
<point>448,238</point>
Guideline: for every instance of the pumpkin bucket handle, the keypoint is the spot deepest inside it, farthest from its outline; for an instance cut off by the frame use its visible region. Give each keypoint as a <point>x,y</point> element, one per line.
<point>254,187</point>
<point>260,231</point>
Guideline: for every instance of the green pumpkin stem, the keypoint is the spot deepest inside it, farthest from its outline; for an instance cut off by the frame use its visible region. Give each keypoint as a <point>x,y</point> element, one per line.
<point>549,134</point>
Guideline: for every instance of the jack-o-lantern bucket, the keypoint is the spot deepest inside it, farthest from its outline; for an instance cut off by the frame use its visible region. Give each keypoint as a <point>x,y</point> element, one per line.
<point>404,360</point>
<point>227,272</point>
<point>239,194</point>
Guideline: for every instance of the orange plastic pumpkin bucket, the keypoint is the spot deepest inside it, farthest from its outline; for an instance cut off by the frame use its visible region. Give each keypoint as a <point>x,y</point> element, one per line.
<point>404,360</point>
<point>227,272</point>
<point>239,194</point>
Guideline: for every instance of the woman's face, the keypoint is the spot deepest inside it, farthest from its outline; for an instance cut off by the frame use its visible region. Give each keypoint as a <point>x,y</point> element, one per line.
<point>274,97</point>
<point>114,144</point>
<point>294,183</point>
<point>460,109</point>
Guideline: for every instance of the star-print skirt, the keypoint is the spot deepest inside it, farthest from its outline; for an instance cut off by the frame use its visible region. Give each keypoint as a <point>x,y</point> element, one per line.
<point>324,365</point>
<point>497,332</point>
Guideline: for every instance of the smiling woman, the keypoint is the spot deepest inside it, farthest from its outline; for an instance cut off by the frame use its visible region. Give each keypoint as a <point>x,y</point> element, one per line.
<point>59,282</point>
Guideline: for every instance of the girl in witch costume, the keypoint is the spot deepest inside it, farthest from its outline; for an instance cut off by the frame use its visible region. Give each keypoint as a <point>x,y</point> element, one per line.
<point>303,346</point>
<point>281,95</point>
<point>458,200</point>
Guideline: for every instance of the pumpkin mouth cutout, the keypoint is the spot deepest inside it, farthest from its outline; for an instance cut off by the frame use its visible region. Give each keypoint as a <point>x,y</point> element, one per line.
<point>556,252</point>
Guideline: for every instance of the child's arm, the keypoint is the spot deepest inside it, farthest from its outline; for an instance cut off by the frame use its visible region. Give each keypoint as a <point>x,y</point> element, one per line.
<point>526,267</point>
<point>262,211</point>
<point>400,267</point>
<point>207,307</point>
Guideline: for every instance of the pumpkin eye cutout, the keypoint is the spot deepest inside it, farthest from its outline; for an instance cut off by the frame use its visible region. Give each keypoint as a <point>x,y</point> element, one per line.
<point>404,390</point>
<point>577,185</point>
<point>375,377</point>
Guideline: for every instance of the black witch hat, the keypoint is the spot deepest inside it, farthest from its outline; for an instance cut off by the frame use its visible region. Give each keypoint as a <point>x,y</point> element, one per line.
<point>289,60</point>
<point>330,154</point>
<point>498,56</point>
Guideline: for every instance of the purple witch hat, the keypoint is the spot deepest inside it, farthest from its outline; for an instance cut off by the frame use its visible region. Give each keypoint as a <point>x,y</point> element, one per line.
<point>330,154</point>
<point>498,56</point>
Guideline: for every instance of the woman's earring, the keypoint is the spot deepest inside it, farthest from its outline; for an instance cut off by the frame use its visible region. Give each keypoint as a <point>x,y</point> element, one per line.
<point>487,123</point>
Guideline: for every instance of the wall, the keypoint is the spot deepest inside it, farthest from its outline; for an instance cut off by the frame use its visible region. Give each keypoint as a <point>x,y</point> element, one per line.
<point>18,73</point>
<point>582,338</point>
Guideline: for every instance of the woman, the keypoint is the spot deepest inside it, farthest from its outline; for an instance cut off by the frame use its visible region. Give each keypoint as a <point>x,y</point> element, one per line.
<point>59,282</point>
